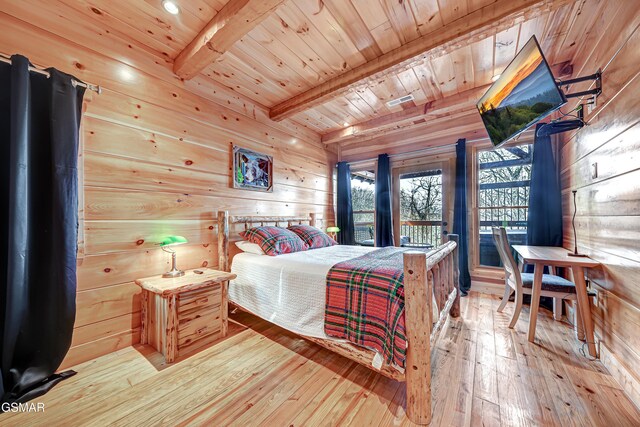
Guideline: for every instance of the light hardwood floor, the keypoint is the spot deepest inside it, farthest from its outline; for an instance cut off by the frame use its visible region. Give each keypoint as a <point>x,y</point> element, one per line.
<point>484,375</point>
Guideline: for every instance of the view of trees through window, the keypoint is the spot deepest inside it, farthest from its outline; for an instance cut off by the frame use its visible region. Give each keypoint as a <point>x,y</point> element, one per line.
<point>363,205</point>
<point>503,197</point>
<point>421,207</point>
<point>421,196</point>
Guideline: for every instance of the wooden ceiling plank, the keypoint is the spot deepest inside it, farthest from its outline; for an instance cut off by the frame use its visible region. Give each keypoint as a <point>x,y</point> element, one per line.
<point>463,67</point>
<point>426,77</point>
<point>292,16</point>
<point>238,81</point>
<point>272,89</point>
<point>505,48</point>
<point>344,102</point>
<point>288,36</point>
<point>450,11</point>
<point>277,48</point>
<point>355,98</point>
<point>462,102</point>
<point>372,99</point>
<point>427,14</point>
<point>477,25</point>
<point>466,126</point>
<point>386,37</point>
<point>412,86</point>
<point>446,75</point>
<point>319,114</point>
<point>401,17</point>
<point>269,65</point>
<point>482,57</point>
<point>334,32</point>
<point>532,27</point>
<point>389,88</point>
<point>332,111</point>
<point>306,119</point>
<point>235,19</point>
<point>349,20</point>
<point>377,23</point>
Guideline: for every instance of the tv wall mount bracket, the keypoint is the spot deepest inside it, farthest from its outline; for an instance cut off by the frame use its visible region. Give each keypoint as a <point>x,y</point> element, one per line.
<point>595,92</point>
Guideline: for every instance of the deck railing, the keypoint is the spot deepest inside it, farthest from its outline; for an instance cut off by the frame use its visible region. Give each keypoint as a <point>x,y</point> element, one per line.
<point>422,232</point>
<point>418,232</point>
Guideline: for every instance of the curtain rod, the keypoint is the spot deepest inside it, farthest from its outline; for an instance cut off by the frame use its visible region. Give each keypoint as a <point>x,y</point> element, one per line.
<point>96,88</point>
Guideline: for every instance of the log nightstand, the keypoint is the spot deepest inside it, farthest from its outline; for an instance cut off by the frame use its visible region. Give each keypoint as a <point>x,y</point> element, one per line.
<point>182,315</point>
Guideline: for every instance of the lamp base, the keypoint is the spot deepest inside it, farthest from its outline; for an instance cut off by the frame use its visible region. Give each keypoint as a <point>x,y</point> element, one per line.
<point>173,273</point>
<point>576,254</point>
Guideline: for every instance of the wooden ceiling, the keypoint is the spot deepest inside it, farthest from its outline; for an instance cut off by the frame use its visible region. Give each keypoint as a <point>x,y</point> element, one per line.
<point>301,45</point>
<point>305,43</point>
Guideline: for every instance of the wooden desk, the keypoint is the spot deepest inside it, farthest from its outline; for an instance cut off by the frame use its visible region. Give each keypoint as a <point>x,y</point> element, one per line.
<point>183,314</point>
<point>541,256</point>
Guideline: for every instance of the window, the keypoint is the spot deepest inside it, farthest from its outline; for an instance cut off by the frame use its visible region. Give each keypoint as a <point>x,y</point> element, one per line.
<point>421,207</point>
<point>363,204</point>
<point>504,179</point>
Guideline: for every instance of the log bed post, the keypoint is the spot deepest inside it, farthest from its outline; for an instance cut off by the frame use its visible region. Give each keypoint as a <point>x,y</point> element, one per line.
<point>418,297</point>
<point>223,240</point>
<point>455,308</point>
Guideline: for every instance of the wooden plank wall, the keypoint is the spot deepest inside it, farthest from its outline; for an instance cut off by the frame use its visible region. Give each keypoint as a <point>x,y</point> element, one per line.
<point>157,155</point>
<point>608,218</point>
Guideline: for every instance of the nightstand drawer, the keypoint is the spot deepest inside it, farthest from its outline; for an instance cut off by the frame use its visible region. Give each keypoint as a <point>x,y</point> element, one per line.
<point>199,298</point>
<point>197,324</point>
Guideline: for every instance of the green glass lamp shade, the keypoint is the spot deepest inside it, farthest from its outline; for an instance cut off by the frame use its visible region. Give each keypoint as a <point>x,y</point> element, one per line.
<point>165,244</point>
<point>333,229</point>
<point>173,240</point>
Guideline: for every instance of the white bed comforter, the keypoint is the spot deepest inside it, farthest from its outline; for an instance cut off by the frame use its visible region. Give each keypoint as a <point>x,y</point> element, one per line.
<point>288,290</point>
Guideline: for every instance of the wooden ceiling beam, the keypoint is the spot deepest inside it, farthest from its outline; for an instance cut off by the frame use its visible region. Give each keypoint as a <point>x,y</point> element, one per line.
<point>431,110</point>
<point>233,22</point>
<point>480,24</point>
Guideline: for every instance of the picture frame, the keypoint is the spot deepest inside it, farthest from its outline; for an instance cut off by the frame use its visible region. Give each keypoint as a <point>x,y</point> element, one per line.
<point>252,170</point>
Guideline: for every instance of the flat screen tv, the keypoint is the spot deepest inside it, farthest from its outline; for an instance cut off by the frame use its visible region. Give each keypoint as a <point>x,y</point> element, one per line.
<point>525,93</point>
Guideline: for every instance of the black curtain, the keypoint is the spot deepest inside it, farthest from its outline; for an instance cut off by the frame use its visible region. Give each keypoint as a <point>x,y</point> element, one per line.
<point>460,215</point>
<point>344,210</point>
<point>384,223</point>
<point>544,224</point>
<point>39,123</point>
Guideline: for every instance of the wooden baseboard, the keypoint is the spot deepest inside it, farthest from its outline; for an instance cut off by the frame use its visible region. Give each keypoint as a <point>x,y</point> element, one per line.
<point>629,383</point>
<point>487,287</point>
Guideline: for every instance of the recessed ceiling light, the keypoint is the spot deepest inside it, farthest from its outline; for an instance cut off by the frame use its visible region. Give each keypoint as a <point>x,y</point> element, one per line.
<point>496,77</point>
<point>171,7</point>
<point>346,124</point>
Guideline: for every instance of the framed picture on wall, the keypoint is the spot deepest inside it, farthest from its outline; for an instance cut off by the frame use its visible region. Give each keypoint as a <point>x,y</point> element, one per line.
<point>252,170</point>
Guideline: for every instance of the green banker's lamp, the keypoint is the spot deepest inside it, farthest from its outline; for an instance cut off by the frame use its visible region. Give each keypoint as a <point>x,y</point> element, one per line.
<point>166,245</point>
<point>333,231</point>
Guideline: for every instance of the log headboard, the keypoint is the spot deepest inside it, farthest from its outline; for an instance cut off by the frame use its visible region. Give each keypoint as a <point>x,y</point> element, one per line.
<point>224,222</point>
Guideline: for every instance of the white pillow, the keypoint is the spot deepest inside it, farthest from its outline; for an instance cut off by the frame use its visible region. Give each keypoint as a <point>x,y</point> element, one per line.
<point>252,248</point>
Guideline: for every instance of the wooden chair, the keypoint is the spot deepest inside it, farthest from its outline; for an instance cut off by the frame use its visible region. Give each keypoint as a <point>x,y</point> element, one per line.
<point>552,286</point>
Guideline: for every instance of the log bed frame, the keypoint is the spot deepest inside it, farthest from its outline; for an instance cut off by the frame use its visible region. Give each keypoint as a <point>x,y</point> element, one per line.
<point>436,274</point>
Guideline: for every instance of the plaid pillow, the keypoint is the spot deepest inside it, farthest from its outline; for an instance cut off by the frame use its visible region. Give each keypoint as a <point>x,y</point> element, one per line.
<point>275,240</point>
<point>313,237</point>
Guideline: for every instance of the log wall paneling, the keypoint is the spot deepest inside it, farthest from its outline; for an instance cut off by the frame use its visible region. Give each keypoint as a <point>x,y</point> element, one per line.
<point>608,217</point>
<point>157,155</point>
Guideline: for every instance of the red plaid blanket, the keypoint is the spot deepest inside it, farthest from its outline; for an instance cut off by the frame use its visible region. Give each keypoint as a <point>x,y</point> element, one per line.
<point>365,303</point>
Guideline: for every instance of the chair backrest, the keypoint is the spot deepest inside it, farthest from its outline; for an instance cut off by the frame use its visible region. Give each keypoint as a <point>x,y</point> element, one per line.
<point>504,250</point>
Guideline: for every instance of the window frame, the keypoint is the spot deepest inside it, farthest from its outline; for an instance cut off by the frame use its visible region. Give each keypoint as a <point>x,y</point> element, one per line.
<point>368,168</point>
<point>478,271</point>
